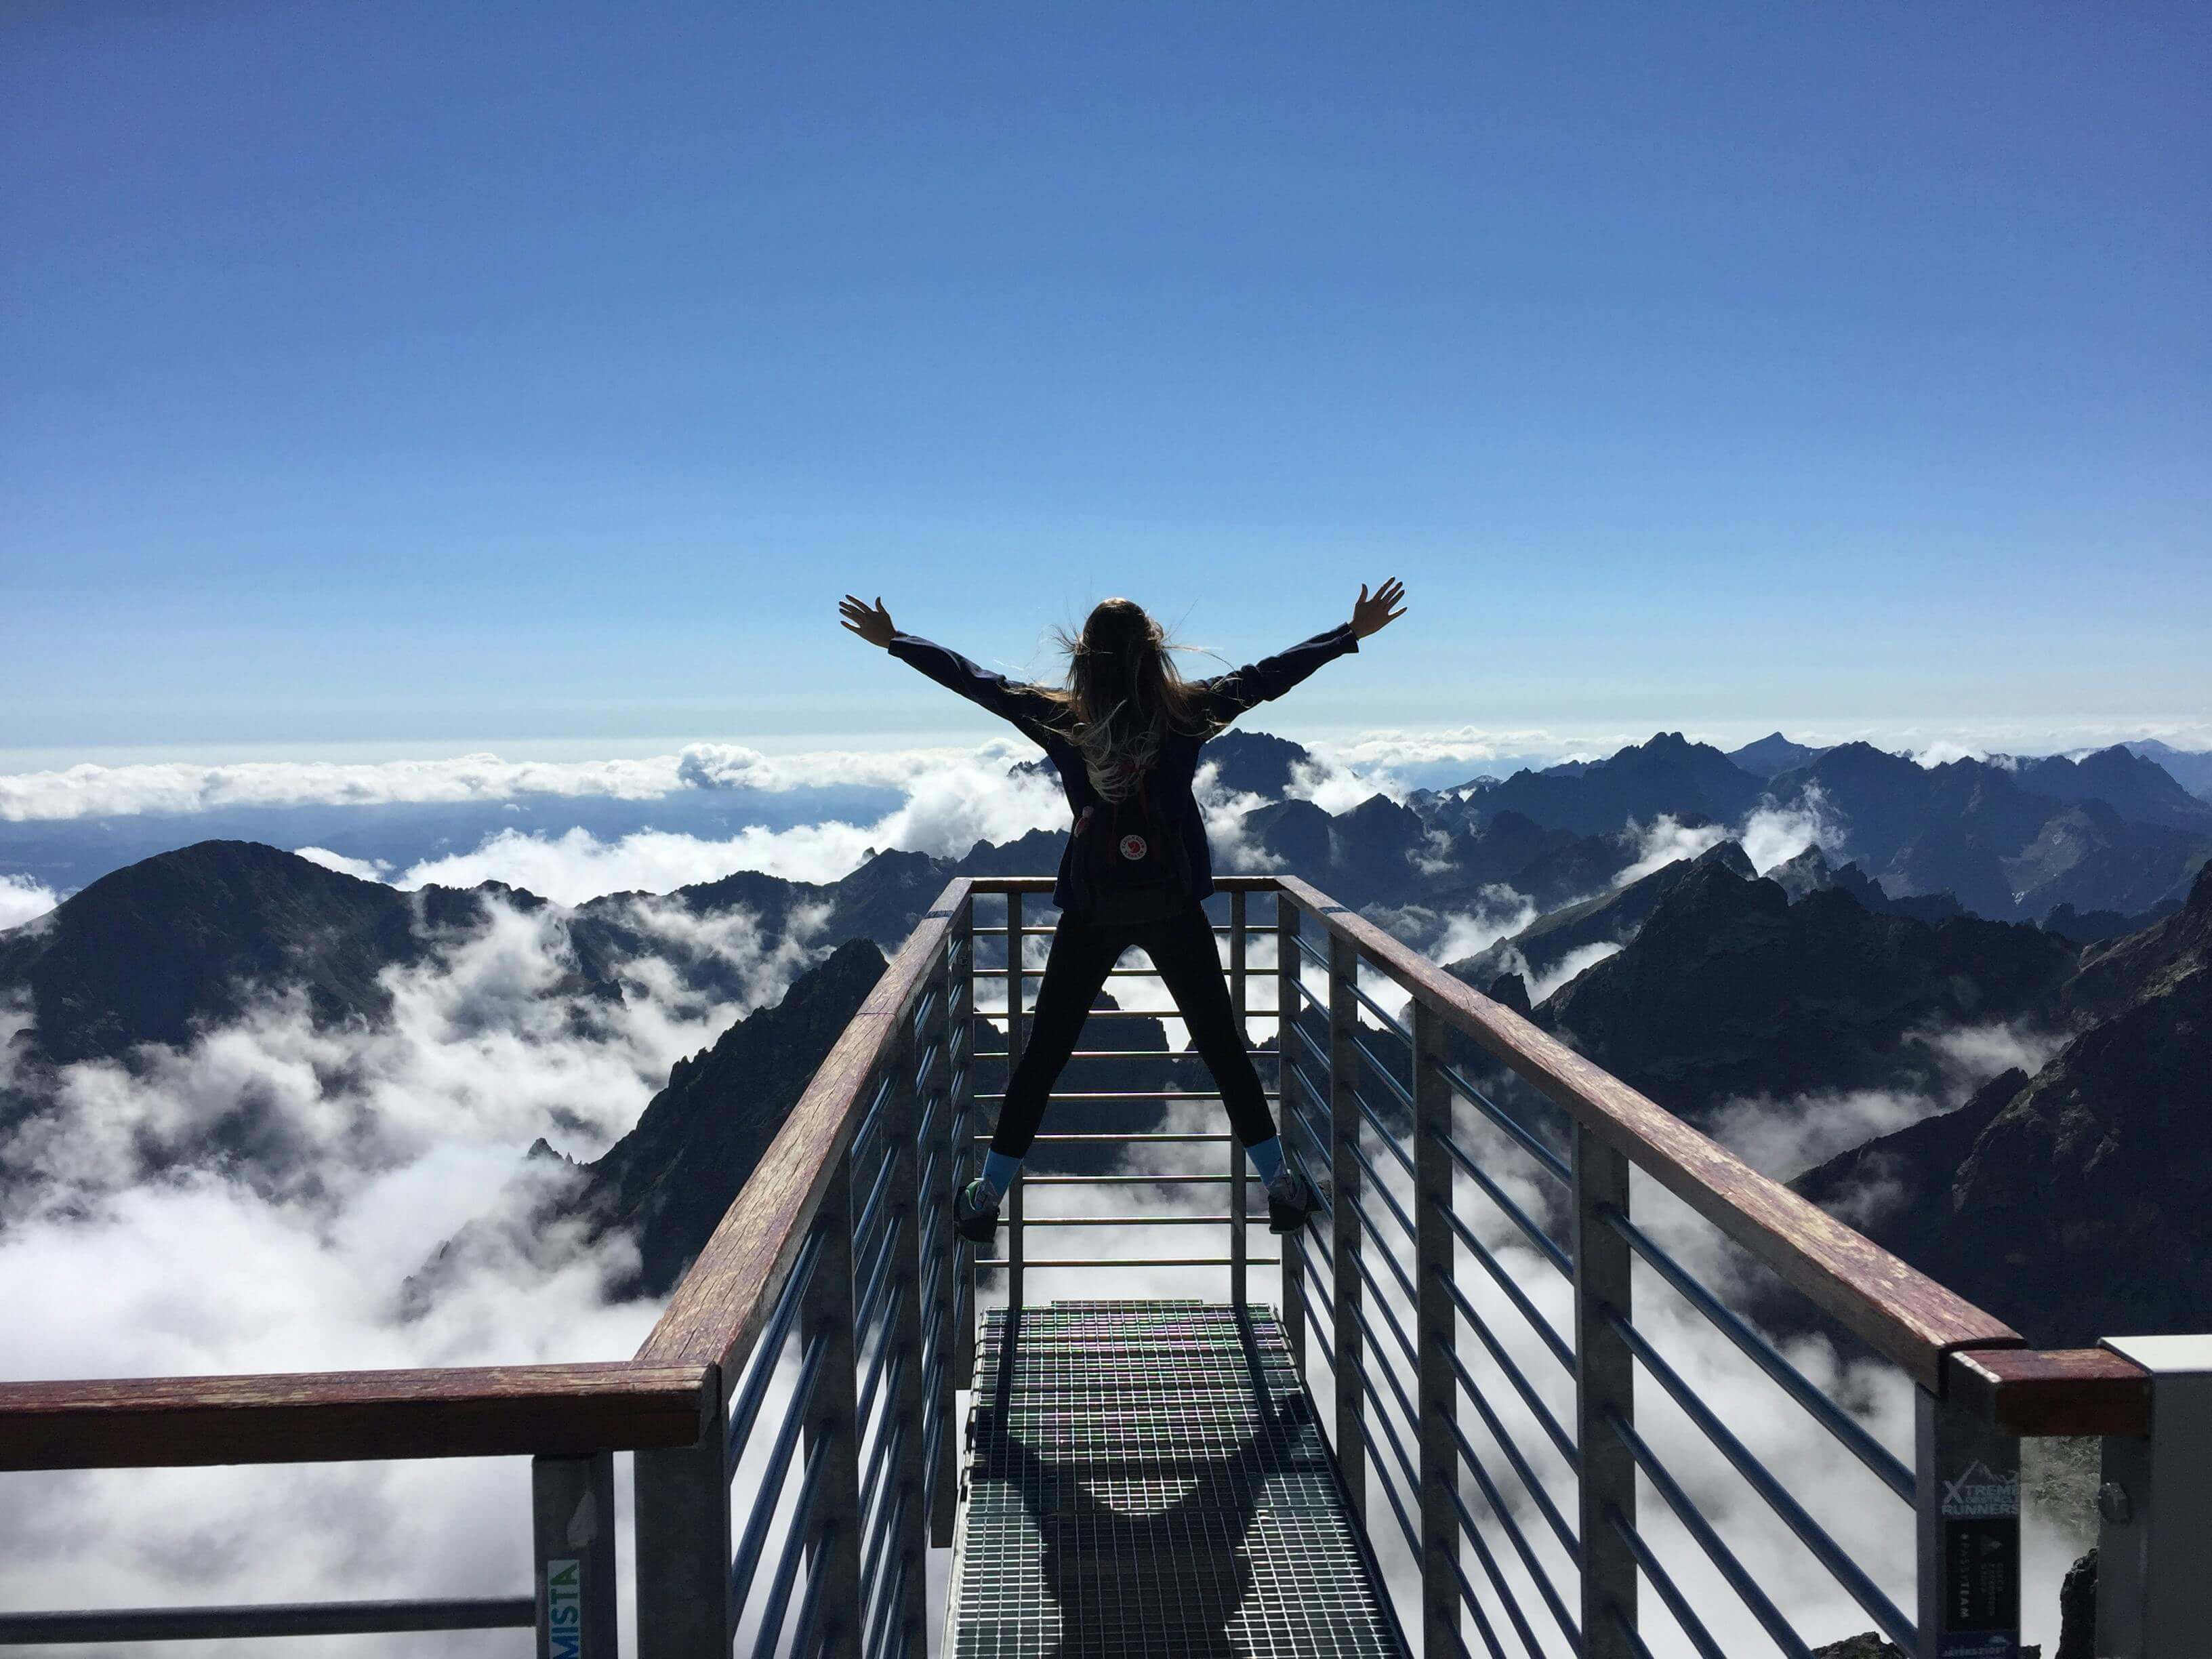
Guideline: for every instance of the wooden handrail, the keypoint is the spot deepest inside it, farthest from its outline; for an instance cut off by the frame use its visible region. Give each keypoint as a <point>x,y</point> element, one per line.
<point>1899,1310</point>
<point>318,1417</point>
<point>2059,1391</point>
<point>718,1310</point>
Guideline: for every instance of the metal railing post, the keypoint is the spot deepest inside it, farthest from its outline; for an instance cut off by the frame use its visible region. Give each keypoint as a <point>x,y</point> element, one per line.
<point>832,1433</point>
<point>682,1531</point>
<point>904,1413</point>
<point>963,1104</point>
<point>2153,1595</point>
<point>1015,1018</point>
<point>1604,1385</point>
<point>1237,1183</point>
<point>1286,1118</point>
<point>1343,1223</point>
<point>1967,1476</point>
<point>572,1517</point>
<point>941,1289</point>
<point>1436,1332</point>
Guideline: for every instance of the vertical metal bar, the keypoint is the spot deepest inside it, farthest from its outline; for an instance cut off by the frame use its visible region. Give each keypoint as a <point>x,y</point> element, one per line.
<point>1604,1381</point>
<point>904,1412</point>
<point>572,1525</point>
<point>682,1525</point>
<point>939,1243</point>
<point>835,1520</point>
<point>963,1153</point>
<point>1237,1182</point>
<point>2153,1595</point>
<point>1286,1010</point>
<point>1016,1019</point>
<point>1436,1332</point>
<point>1344,1179</point>
<point>1968,1517</point>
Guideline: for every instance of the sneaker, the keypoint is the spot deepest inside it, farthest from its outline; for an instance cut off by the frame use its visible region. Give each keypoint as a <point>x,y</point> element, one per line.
<point>1290,1203</point>
<point>975,1213</point>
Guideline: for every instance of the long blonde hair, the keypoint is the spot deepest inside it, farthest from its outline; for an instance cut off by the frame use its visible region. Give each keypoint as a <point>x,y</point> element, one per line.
<point>1123,695</point>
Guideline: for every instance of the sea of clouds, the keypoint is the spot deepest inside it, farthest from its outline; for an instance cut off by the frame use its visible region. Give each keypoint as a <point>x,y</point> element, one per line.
<point>349,1154</point>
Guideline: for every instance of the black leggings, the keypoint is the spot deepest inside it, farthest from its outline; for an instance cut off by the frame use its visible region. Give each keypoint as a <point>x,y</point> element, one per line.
<point>1182,951</point>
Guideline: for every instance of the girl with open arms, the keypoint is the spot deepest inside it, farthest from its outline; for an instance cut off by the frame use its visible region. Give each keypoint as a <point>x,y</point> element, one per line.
<point>1124,734</point>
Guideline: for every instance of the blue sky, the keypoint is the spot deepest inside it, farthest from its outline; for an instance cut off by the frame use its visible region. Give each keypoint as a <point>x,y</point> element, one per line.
<point>426,376</point>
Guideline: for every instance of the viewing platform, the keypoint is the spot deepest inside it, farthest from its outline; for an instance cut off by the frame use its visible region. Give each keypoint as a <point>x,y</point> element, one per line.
<point>1455,1416</point>
<point>1150,1477</point>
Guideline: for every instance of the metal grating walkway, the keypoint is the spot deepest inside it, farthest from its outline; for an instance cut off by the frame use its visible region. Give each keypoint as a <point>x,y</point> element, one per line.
<point>1147,1478</point>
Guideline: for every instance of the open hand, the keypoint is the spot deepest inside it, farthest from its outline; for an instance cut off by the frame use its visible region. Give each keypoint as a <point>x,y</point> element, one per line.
<point>1370,616</point>
<point>873,624</point>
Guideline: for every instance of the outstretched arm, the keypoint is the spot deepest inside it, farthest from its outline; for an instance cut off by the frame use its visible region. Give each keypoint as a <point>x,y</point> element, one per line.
<point>948,668</point>
<point>1232,694</point>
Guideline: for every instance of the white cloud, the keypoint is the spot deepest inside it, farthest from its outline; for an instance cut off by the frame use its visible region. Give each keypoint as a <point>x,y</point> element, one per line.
<point>368,1147</point>
<point>23,899</point>
<point>947,811</point>
<point>95,791</point>
<point>1774,834</point>
<point>1501,913</point>
<point>1569,968</point>
<point>1666,841</point>
<point>360,869</point>
<point>1336,788</point>
<point>1786,1138</point>
<point>1224,811</point>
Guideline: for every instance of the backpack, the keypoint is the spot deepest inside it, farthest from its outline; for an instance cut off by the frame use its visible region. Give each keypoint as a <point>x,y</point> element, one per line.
<point>1122,848</point>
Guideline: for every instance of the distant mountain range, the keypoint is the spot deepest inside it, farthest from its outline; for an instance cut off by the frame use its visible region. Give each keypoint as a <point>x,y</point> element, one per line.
<point>1918,912</point>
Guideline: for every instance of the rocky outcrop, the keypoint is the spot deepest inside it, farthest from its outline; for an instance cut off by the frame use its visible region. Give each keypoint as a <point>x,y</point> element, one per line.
<point>1729,990</point>
<point>2083,1206</point>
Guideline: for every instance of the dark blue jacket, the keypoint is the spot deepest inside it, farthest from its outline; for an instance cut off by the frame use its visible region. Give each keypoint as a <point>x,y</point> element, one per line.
<point>1220,700</point>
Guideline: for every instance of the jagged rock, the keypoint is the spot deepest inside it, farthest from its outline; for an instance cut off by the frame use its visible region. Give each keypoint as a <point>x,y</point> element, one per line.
<point>1612,918</point>
<point>1511,991</point>
<point>1729,991</point>
<point>1868,1646</point>
<point>1773,754</point>
<point>2077,1610</point>
<point>1669,775</point>
<point>2082,1207</point>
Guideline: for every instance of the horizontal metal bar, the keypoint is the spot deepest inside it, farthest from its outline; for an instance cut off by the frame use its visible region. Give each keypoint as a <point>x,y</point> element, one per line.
<point>1568,1625</point>
<point>768,1486</point>
<point>809,1604</point>
<point>1109,1097</point>
<point>1312,953</point>
<point>1132,1181</point>
<point>268,1618</point>
<point>1764,1354</point>
<point>1677,1603</point>
<point>1513,1374</point>
<point>885,1350</point>
<point>1723,1559</point>
<point>1830,1554</point>
<point>983,1262</point>
<point>1534,1234</point>
<point>1148,1137</point>
<point>1506,1598</point>
<point>795,1540</point>
<point>1383,1133</point>
<point>1038,973</point>
<point>1390,1022</point>
<point>1108,1054</point>
<point>1519,1298</point>
<point>1560,1528</point>
<point>873,1116</point>
<point>1136,1218</point>
<point>770,1348</point>
<point>1390,1493</point>
<point>1320,1054</point>
<point>1376,1065</point>
<point>1483,1103</point>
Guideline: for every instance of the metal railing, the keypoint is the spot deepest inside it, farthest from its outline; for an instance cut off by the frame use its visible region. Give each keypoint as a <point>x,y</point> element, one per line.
<point>792,1414</point>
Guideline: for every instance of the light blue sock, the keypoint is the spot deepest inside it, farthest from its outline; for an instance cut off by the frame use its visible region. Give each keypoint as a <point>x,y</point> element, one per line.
<point>1267,1158</point>
<point>998,1172</point>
